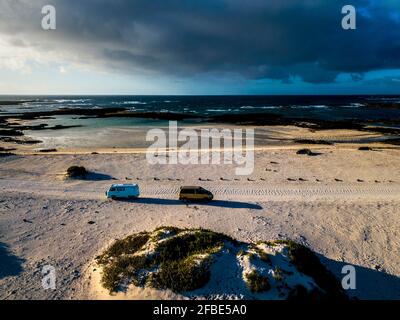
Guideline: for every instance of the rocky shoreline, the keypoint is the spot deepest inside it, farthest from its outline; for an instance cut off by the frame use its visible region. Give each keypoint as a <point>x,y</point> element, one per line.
<point>10,128</point>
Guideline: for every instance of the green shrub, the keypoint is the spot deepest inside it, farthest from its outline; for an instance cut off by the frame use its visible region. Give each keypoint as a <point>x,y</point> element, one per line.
<point>251,256</point>
<point>256,282</point>
<point>160,231</point>
<point>278,274</point>
<point>268,243</point>
<point>182,263</point>
<point>172,229</point>
<point>263,256</point>
<point>174,259</point>
<point>111,277</point>
<point>76,172</point>
<point>181,247</point>
<point>181,275</point>
<point>129,245</point>
<point>121,268</point>
<point>308,263</point>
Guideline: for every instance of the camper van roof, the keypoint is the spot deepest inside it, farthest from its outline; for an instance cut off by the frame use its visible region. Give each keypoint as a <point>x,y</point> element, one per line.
<point>124,185</point>
<point>190,187</point>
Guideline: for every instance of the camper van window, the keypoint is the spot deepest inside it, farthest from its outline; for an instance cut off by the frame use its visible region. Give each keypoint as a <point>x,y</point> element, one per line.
<point>112,189</point>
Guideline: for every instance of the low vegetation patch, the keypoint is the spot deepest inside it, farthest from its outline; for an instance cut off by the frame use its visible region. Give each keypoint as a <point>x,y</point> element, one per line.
<point>182,275</point>
<point>278,275</point>
<point>308,263</point>
<point>76,172</point>
<point>125,267</point>
<point>189,244</point>
<point>162,232</point>
<point>263,256</point>
<point>256,282</point>
<point>184,261</point>
<point>307,152</point>
<point>179,258</point>
<point>129,245</point>
<point>365,148</point>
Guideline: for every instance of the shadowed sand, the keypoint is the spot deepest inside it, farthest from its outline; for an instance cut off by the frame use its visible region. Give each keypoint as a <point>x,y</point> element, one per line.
<point>215,203</point>
<point>10,265</point>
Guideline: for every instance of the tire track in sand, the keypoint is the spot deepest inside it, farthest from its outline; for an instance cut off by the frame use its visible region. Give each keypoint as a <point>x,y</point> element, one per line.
<point>256,192</point>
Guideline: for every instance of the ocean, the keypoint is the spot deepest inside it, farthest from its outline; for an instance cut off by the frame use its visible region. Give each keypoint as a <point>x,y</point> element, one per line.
<point>131,131</point>
<point>303,107</point>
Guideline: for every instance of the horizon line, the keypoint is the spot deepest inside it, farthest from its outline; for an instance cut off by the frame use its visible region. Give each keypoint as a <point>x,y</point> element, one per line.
<point>204,95</point>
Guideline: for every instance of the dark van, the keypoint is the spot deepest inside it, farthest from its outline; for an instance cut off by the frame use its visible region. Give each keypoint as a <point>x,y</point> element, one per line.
<point>195,194</point>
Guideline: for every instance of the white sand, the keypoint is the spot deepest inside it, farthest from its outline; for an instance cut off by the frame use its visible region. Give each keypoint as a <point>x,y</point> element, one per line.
<point>345,221</point>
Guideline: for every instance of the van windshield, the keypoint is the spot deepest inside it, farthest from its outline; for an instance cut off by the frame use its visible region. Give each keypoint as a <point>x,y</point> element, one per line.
<point>188,191</point>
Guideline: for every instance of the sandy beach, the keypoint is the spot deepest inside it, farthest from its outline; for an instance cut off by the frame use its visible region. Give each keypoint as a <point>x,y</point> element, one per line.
<point>343,203</point>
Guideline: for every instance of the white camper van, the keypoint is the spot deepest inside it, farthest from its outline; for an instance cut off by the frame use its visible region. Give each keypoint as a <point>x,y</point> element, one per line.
<point>126,191</point>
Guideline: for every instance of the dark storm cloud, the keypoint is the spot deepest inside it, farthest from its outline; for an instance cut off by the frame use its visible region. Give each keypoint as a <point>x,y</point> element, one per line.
<point>256,39</point>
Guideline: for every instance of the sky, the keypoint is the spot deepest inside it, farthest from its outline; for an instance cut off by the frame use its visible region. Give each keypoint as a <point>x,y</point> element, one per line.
<point>199,47</point>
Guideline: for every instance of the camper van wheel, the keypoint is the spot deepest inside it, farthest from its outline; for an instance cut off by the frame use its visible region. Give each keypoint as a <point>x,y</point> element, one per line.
<point>113,197</point>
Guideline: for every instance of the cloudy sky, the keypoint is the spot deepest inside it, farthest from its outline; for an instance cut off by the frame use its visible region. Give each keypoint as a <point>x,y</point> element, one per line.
<point>199,47</point>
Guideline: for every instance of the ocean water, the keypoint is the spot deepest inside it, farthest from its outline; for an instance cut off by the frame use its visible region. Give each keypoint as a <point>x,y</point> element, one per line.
<point>304,107</point>
<point>131,132</point>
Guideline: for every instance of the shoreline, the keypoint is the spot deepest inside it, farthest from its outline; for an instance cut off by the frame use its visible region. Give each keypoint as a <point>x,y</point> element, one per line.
<point>49,130</point>
<point>133,140</point>
<point>119,150</point>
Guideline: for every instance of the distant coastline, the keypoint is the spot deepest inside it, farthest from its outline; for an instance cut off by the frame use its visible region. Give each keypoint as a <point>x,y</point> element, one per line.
<point>21,119</point>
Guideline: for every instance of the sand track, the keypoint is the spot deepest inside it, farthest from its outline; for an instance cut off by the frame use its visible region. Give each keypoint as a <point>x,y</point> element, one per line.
<point>245,191</point>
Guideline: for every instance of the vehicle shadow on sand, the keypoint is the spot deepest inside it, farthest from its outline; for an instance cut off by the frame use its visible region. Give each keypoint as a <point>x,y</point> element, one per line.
<point>96,176</point>
<point>370,284</point>
<point>10,265</point>
<point>214,203</point>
